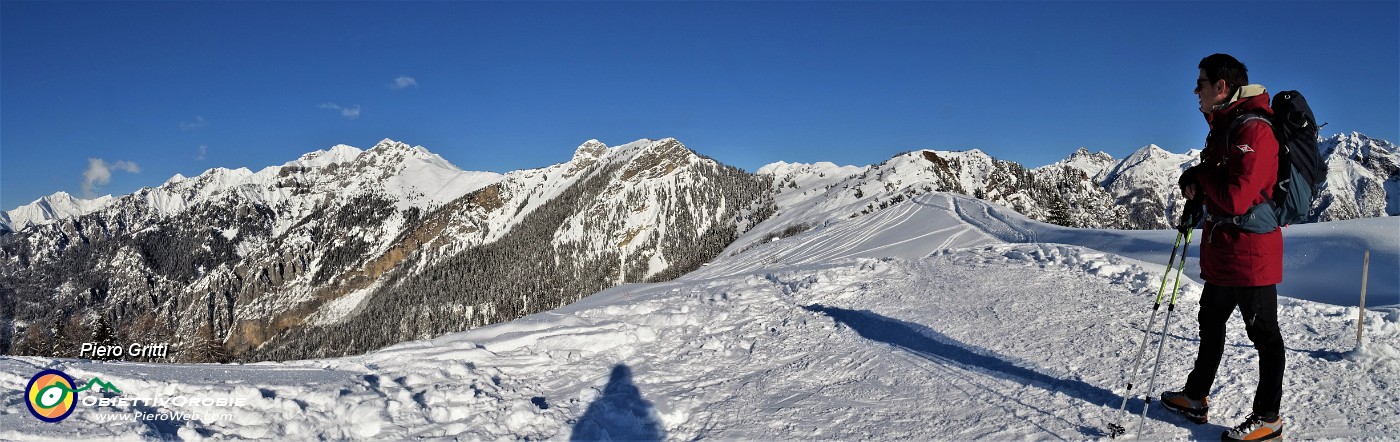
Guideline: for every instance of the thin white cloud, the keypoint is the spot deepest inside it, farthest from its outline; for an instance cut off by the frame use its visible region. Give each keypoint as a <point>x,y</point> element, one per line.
<point>404,82</point>
<point>350,112</point>
<point>203,151</point>
<point>99,173</point>
<point>197,123</point>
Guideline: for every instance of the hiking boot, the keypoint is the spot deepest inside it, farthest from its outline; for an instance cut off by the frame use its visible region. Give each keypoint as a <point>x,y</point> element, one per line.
<point>1255,428</point>
<point>1194,409</point>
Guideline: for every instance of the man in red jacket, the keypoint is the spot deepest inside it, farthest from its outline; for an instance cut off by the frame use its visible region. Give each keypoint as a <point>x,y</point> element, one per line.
<point>1238,170</point>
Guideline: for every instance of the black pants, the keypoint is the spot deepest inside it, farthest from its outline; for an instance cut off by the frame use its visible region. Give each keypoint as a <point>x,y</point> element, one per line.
<point>1259,307</point>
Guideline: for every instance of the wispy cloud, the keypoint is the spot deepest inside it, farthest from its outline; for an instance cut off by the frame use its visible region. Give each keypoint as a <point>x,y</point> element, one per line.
<point>404,82</point>
<point>203,151</point>
<point>99,173</point>
<point>351,112</point>
<point>197,123</point>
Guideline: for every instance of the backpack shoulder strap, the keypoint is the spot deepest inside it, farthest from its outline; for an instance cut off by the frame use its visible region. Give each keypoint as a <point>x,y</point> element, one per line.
<point>1243,119</point>
<point>1246,117</point>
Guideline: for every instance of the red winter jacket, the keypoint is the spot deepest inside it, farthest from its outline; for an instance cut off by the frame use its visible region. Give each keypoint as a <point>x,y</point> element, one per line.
<point>1234,177</point>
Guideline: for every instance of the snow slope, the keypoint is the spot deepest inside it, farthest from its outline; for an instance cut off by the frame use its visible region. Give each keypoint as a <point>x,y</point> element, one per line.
<point>940,318</point>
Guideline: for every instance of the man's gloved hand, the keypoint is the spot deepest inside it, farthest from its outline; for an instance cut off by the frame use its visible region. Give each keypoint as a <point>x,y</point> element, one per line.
<point>1187,182</point>
<point>1191,216</point>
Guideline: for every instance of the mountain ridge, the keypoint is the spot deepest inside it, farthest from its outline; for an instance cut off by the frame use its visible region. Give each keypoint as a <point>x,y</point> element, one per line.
<point>278,263</point>
<point>1376,158</point>
<point>305,244</point>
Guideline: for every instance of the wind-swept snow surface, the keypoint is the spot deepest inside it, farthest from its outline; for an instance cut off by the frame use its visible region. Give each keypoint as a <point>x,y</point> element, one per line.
<point>941,318</point>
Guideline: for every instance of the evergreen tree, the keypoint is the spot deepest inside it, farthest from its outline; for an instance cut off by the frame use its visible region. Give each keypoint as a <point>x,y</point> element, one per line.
<point>1059,212</point>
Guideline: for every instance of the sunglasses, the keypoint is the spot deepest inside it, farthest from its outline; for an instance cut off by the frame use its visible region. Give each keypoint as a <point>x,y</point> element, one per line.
<point>1202,82</point>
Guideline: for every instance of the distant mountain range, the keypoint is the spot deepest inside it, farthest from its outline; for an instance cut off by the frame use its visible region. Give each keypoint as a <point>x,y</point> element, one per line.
<point>346,250</point>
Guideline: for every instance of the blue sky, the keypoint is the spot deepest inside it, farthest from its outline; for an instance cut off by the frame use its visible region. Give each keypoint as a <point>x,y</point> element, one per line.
<point>146,90</point>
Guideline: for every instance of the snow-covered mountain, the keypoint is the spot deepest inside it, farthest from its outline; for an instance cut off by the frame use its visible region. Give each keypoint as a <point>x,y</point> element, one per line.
<point>941,317</point>
<point>1145,183</point>
<point>1085,190</point>
<point>1054,193</point>
<point>411,176</point>
<point>407,176</point>
<point>843,299</point>
<point>60,205</point>
<point>189,257</point>
<point>1363,173</point>
<point>1363,181</point>
<point>250,264</point>
<point>537,239</point>
<point>1363,178</point>
<point>1094,164</point>
<point>346,250</point>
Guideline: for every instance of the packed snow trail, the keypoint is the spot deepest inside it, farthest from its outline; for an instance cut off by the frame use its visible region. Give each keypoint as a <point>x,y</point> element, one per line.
<point>900,339</point>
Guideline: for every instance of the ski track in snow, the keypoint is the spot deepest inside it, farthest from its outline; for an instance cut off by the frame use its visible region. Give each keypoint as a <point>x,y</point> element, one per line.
<point>925,321</point>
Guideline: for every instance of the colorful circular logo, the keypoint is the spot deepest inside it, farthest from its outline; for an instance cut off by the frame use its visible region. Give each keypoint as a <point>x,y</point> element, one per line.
<point>51,395</point>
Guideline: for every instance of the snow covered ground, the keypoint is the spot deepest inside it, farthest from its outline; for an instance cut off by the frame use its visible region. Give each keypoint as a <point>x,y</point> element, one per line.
<point>940,318</point>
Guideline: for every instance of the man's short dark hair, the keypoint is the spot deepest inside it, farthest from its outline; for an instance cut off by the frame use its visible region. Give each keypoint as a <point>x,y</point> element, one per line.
<point>1224,67</point>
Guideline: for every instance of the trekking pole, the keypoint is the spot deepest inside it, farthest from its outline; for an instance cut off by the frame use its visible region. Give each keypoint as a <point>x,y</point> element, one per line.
<point>1361,308</point>
<point>1114,429</point>
<point>1162,342</point>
